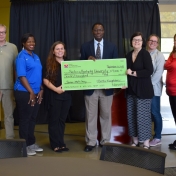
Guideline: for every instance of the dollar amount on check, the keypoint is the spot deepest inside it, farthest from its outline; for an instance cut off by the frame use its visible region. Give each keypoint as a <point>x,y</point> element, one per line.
<point>89,74</point>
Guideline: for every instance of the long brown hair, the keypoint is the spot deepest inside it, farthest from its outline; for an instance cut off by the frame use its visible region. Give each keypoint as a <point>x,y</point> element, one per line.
<point>174,48</point>
<point>52,66</point>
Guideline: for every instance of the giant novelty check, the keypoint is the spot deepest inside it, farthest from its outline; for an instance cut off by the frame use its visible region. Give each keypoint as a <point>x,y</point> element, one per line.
<point>89,74</point>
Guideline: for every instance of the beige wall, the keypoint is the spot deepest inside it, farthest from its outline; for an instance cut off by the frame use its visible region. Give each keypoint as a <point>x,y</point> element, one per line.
<point>167,8</point>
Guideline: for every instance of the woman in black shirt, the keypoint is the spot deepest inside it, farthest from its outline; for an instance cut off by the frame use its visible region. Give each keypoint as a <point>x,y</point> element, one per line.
<point>139,92</point>
<point>58,101</point>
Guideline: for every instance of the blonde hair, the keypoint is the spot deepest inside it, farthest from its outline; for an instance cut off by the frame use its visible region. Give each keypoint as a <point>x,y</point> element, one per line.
<point>2,25</point>
<point>154,35</point>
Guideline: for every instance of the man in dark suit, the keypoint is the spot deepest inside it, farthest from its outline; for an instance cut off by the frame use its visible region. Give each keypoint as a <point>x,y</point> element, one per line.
<point>98,48</point>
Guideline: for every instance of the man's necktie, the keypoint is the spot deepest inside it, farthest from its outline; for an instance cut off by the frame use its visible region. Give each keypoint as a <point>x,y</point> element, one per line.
<point>98,52</point>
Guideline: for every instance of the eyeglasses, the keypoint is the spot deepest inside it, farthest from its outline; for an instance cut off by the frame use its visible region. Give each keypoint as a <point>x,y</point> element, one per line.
<point>153,41</point>
<point>137,40</point>
<point>2,32</point>
<point>98,30</point>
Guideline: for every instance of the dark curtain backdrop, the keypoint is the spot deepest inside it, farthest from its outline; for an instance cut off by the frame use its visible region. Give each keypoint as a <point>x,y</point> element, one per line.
<point>71,23</point>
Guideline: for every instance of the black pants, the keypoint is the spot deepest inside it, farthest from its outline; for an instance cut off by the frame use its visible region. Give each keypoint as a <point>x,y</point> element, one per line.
<point>172,100</point>
<point>56,126</point>
<point>27,116</point>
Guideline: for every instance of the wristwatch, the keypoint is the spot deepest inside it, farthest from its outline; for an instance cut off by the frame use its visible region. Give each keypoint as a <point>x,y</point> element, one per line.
<point>132,72</point>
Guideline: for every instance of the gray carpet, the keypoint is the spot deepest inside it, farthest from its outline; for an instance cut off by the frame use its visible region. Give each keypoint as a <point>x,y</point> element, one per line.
<point>170,171</point>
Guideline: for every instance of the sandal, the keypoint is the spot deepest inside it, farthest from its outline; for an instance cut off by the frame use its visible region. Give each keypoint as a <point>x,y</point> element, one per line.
<point>64,149</point>
<point>57,149</point>
<point>146,147</point>
<point>134,144</point>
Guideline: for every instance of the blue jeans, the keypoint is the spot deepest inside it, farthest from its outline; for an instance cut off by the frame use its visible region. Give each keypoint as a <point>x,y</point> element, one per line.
<point>158,123</point>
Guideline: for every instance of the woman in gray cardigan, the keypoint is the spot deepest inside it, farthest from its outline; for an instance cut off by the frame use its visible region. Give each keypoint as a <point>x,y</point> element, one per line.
<point>158,61</point>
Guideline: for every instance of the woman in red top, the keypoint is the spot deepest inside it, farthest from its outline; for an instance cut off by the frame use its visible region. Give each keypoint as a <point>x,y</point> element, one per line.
<point>170,66</point>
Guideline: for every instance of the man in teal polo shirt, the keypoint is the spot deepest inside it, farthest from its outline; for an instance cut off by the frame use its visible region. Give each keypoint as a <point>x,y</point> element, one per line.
<point>8,53</point>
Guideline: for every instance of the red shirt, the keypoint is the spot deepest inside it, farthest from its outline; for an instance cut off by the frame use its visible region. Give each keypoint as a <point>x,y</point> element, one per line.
<point>170,66</point>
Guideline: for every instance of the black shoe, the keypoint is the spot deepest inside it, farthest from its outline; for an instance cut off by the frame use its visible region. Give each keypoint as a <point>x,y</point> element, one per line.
<point>172,147</point>
<point>88,148</point>
<point>173,144</point>
<point>101,145</point>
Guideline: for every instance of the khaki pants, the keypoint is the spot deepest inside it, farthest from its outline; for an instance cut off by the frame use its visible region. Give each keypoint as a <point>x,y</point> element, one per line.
<point>98,99</point>
<point>8,104</point>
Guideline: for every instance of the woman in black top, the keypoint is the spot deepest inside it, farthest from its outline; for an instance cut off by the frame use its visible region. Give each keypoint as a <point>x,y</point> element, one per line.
<point>58,101</point>
<point>139,92</point>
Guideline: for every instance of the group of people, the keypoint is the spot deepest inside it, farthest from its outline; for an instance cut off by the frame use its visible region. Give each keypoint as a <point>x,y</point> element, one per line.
<point>21,77</point>
<point>144,70</point>
<point>28,90</point>
<point>145,66</point>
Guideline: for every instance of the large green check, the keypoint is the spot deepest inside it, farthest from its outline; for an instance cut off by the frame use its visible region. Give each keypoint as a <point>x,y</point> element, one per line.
<point>89,74</point>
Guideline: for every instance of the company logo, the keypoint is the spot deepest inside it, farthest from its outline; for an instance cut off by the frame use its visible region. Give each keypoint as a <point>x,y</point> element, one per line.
<point>65,65</point>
